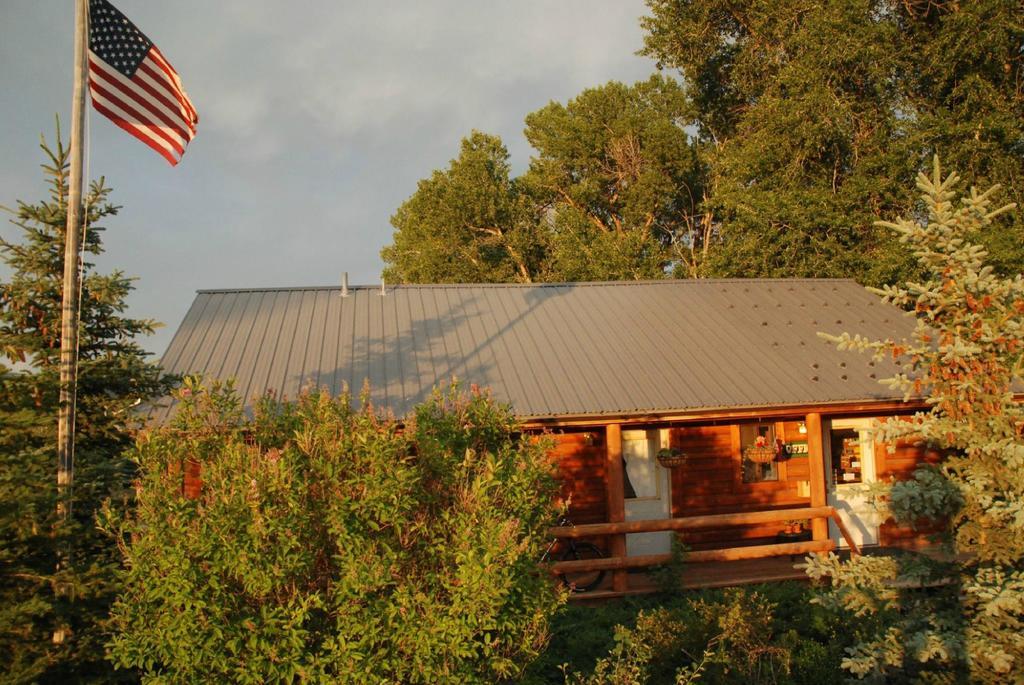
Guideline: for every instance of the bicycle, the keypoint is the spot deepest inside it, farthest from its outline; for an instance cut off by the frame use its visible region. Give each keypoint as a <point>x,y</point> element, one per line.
<point>576,581</point>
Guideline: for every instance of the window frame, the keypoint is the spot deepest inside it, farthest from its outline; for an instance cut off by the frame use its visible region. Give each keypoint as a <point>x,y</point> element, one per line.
<point>780,483</point>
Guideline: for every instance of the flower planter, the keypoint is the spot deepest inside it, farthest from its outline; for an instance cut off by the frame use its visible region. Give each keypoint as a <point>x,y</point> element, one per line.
<point>760,454</point>
<point>671,458</point>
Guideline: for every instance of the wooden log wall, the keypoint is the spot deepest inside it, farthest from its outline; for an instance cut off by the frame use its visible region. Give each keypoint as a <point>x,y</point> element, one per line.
<point>711,482</point>
<point>906,456</point>
<point>581,465</point>
<point>192,485</point>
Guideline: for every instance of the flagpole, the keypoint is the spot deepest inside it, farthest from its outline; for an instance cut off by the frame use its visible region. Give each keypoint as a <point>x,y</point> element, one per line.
<point>72,284</point>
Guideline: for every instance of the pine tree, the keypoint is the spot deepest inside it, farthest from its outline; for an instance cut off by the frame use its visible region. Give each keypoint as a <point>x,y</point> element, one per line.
<point>114,375</point>
<point>958,617</point>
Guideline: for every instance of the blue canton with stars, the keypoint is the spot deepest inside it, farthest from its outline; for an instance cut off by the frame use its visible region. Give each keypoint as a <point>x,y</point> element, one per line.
<point>114,39</point>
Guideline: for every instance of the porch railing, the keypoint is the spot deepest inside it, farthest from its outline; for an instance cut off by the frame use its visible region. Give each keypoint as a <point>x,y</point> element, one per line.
<point>702,522</point>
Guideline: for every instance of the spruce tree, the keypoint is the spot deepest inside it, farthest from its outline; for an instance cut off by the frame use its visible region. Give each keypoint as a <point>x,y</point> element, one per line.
<point>114,375</point>
<point>958,616</point>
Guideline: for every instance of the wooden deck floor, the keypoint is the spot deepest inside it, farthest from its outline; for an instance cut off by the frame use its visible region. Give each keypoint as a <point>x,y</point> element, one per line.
<point>707,575</point>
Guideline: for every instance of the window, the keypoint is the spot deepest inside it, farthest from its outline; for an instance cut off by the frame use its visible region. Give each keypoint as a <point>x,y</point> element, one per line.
<point>757,451</point>
<point>845,446</point>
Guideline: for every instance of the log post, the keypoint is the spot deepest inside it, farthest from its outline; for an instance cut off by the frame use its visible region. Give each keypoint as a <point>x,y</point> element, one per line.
<point>192,483</point>
<point>616,500</point>
<point>816,464</point>
<point>845,532</point>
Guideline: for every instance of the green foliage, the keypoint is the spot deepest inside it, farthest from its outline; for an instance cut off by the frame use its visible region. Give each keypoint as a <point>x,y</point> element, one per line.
<point>813,116</point>
<point>627,661</point>
<point>468,224</point>
<point>330,544</point>
<point>611,194</point>
<point>965,356</point>
<point>807,121</point>
<point>668,577</point>
<point>617,178</point>
<point>928,495</point>
<point>766,635</point>
<point>35,597</point>
<point>580,635</point>
<point>912,623</point>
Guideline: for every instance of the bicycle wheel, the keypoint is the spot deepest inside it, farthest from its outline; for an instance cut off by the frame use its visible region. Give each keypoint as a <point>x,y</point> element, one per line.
<point>582,581</point>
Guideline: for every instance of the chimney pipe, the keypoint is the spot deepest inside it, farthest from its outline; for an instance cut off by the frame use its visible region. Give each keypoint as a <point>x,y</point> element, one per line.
<point>344,284</point>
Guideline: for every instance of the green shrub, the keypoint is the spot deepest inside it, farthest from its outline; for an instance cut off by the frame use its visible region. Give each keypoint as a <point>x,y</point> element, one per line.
<point>762,634</point>
<point>331,544</point>
<point>719,636</point>
<point>580,635</point>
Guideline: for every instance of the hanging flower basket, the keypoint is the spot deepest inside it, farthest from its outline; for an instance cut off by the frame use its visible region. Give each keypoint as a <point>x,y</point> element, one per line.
<point>760,452</point>
<point>671,458</point>
<point>759,455</point>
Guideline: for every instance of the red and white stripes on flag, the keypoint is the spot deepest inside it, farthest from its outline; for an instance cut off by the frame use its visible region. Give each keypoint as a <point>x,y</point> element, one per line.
<point>133,85</point>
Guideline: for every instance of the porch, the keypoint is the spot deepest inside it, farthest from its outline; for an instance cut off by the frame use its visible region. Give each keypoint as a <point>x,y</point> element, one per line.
<point>714,574</point>
<point>704,568</point>
<point>734,515</point>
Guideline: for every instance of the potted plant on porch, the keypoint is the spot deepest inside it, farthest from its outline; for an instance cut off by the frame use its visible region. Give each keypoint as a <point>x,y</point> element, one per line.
<point>793,530</point>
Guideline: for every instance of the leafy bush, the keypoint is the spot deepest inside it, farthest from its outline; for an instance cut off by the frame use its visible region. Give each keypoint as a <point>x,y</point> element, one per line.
<point>331,544</point>
<point>768,634</point>
<point>580,635</point>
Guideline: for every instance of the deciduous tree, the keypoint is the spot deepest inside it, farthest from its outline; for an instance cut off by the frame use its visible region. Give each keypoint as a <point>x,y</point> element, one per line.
<point>467,224</point>
<point>619,183</point>
<point>613,192</point>
<point>813,116</point>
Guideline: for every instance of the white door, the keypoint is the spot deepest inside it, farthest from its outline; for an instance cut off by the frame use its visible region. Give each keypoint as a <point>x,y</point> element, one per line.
<point>850,464</point>
<point>646,488</point>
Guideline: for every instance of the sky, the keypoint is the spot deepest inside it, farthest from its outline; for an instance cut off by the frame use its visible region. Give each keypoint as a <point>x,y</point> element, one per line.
<point>317,119</point>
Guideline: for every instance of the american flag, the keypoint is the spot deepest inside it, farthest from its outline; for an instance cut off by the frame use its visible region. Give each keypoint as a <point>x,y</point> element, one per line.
<point>132,84</point>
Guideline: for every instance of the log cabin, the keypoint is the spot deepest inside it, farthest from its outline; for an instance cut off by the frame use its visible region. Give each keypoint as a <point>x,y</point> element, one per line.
<point>706,409</point>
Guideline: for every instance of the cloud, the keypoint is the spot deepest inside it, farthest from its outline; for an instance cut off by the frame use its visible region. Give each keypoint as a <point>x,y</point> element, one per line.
<point>362,71</point>
<point>316,120</point>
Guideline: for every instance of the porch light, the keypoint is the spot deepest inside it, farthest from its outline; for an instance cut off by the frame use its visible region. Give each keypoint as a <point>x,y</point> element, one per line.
<point>801,428</point>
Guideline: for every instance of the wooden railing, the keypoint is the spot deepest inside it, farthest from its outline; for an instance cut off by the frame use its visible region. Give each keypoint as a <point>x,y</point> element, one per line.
<point>697,523</point>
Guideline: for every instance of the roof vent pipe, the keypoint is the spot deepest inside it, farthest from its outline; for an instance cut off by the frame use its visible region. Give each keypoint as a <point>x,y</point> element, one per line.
<point>383,292</point>
<point>344,284</point>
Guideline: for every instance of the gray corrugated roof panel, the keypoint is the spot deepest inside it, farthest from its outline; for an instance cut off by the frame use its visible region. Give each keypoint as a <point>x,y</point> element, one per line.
<point>550,349</point>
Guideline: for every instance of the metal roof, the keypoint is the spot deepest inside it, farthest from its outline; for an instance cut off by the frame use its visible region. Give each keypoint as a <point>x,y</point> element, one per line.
<point>549,349</point>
